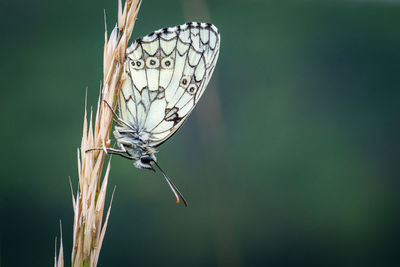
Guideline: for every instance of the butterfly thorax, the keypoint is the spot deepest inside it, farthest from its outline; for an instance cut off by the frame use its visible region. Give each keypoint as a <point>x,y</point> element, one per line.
<point>135,144</point>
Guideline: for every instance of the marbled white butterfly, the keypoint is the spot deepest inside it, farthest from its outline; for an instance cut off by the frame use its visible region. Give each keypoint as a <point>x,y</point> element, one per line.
<point>165,74</point>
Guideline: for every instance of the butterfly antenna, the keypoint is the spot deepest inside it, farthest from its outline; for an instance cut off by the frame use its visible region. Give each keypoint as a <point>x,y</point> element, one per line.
<point>172,186</point>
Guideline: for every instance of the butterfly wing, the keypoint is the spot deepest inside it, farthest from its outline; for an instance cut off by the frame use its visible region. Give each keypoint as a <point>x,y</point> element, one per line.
<point>165,74</point>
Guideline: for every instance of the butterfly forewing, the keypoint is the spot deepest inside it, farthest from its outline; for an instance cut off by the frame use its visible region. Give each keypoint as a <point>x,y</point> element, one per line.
<point>165,74</point>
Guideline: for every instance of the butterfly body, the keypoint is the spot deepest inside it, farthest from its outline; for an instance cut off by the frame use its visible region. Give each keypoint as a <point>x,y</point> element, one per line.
<point>135,145</point>
<point>165,74</point>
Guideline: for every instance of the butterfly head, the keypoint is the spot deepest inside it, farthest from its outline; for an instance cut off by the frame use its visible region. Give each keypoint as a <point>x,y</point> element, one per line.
<point>144,162</point>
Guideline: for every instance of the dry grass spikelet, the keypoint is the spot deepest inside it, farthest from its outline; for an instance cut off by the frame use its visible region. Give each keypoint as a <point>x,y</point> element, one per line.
<point>88,204</point>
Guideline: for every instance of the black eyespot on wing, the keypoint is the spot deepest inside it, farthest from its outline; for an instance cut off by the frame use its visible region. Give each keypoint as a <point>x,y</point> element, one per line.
<point>139,40</point>
<point>185,80</point>
<point>152,62</point>
<point>209,25</point>
<point>192,89</point>
<point>151,34</point>
<point>137,64</point>
<point>167,63</point>
<point>189,24</point>
<point>165,30</point>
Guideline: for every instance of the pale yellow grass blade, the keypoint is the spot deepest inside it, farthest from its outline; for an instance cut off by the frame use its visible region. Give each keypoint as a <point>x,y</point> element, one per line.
<point>88,204</point>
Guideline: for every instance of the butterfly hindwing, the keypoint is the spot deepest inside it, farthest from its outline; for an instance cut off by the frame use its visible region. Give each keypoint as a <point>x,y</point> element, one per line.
<point>165,74</point>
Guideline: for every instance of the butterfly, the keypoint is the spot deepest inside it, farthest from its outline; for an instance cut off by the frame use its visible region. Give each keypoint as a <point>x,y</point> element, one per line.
<point>165,74</point>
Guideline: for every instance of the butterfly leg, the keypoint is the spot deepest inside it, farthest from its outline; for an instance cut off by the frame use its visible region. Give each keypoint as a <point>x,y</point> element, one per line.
<point>122,152</point>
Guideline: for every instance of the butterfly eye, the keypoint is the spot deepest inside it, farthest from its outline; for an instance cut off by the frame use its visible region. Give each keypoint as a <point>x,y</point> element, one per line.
<point>152,62</point>
<point>185,81</point>
<point>167,63</point>
<point>192,89</point>
<point>146,159</point>
<point>137,64</point>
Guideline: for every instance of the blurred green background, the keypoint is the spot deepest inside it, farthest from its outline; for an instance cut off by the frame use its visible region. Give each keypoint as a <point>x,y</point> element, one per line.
<point>289,159</point>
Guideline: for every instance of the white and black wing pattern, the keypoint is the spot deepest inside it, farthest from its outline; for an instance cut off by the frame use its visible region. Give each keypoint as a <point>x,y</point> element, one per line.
<point>165,74</point>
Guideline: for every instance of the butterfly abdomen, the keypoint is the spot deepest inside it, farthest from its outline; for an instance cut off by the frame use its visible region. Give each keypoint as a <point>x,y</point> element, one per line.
<point>133,142</point>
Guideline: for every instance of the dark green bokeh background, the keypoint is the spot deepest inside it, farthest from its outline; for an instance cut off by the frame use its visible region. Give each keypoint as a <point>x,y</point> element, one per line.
<point>290,158</point>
